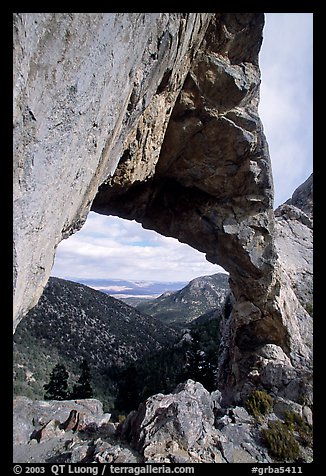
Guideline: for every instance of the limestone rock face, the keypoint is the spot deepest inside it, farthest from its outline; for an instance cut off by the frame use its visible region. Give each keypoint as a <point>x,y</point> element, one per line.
<point>294,246</point>
<point>294,241</point>
<point>82,84</point>
<point>283,366</point>
<point>171,423</point>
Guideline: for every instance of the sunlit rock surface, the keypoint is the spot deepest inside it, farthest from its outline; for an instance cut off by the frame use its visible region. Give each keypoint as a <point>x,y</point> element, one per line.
<point>82,83</point>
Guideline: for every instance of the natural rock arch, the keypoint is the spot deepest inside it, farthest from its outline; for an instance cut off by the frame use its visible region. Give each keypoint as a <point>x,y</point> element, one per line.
<point>150,117</point>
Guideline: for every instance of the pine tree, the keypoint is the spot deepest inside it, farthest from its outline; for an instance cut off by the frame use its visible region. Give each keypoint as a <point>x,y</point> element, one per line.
<point>201,365</point>
<point>83,388</point>
<point>57,388</point>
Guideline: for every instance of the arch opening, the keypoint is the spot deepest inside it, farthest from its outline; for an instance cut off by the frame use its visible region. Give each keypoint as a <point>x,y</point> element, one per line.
<point>109,247</point>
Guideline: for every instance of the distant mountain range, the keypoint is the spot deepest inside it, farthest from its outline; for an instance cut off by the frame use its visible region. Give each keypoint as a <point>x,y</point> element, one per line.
<point>131,289</point>
<point>200,296</point>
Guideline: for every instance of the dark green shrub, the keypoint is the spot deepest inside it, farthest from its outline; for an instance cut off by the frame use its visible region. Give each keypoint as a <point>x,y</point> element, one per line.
<point>83,387</point>
<point>296,423</point>
<point>280,441</point>
<point>258,404</point>
<point>57,388</point>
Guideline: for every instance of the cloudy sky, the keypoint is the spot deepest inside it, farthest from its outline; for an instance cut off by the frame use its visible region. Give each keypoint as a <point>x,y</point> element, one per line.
<point>286,98</point>
<point>112,248</point>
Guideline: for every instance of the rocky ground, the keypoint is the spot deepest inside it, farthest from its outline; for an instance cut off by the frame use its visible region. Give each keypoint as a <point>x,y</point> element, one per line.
<point>189,425</point>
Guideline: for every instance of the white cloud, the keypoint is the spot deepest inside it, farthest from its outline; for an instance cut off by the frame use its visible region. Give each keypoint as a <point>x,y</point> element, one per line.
<point>109,247</point>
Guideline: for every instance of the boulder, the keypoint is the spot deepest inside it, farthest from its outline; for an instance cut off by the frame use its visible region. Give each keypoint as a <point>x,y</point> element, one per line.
<point>239,437</point>
<point>174,428</point>
<point>40,417</point>
<point>48,431</point>
<point>65,431</point>
<point>282,406</point>
<point>183,427</point>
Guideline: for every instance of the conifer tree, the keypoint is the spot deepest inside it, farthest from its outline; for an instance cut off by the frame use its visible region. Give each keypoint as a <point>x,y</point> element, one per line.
<point>201,365</point>
<point>57,388</point>
<point>83,388</point>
